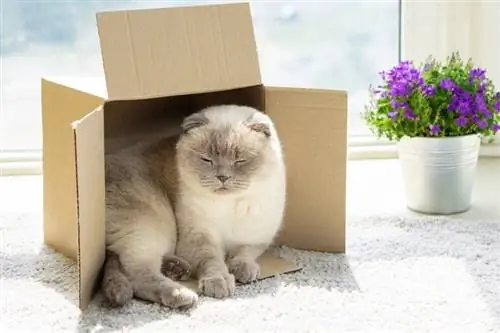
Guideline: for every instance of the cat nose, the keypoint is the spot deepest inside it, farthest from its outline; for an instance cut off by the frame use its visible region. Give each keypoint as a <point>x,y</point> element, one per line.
<point>223,178</point>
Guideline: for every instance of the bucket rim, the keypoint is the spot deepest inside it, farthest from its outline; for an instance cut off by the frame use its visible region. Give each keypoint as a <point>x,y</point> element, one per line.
<point>448,138</point>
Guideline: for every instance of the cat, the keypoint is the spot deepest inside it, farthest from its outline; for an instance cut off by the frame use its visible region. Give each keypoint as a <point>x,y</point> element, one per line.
<point>240,141</point>
<point>141,231</point>
<point>231,194</point>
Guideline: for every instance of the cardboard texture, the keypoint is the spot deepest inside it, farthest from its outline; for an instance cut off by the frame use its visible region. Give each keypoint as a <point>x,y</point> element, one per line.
<point>161,65</point>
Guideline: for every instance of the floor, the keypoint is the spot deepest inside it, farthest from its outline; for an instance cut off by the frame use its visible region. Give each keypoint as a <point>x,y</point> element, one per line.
<point>374,188</point>
<point>401,274</point>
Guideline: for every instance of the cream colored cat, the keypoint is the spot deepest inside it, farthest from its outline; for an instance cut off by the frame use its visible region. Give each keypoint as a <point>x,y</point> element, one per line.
<point>231,197</point>
<point>227,184</point>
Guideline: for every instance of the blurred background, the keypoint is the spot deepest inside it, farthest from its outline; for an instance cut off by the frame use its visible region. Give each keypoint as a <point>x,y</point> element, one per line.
<point>318,44</point>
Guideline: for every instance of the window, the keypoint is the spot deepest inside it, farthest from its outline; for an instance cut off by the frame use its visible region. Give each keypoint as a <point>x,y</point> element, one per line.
<point>323,44</point>
<point>335,44</point>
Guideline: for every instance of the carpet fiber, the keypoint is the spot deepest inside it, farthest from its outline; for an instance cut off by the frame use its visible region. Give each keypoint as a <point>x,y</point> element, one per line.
<point>399,275</point>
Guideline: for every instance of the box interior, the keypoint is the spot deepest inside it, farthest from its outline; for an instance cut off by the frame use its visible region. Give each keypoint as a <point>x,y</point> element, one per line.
<point>129,121</point>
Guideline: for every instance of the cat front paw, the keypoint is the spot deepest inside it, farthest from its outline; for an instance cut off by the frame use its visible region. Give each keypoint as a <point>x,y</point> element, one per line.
<point>219,286</point>
<point>175,268</point>
<point>245,271</point>
<point>179,298</point>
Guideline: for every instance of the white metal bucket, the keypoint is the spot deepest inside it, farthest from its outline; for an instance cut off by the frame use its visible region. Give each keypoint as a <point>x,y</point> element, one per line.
<point>439,173</point>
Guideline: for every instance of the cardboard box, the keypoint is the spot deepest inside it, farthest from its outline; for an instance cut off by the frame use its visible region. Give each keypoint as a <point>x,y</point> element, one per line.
<point>161,65</point>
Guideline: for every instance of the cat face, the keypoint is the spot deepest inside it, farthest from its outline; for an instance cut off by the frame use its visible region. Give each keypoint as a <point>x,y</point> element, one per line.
<point>223,157</point>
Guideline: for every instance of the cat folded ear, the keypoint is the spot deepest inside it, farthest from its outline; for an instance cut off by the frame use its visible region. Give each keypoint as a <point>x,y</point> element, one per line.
<point>193,121</point>
<point>260,128</point>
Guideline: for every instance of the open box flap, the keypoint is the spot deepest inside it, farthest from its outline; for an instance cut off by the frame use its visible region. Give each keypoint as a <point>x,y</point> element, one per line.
<point>179,50</point>
<point>312,125</point>
<point>61,105</point>
<point>89,145</point>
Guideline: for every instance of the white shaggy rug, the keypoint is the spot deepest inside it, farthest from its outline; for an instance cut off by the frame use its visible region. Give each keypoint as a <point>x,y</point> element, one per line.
<point>400,275</point>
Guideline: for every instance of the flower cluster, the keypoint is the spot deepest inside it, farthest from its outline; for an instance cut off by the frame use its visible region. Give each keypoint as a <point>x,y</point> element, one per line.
<point>451,98</point>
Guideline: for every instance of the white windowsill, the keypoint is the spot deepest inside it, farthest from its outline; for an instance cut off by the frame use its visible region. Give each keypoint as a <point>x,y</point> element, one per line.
<point>20,168</point>
<point>29,162</point>
<point>20,163</point>
<point>390,151</point>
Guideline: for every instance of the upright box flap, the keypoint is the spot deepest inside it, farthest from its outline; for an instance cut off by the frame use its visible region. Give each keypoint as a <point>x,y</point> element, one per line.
<point>312,125</point>
<point>61,105</point>
<point>178,50</point>
<point>89,139</point>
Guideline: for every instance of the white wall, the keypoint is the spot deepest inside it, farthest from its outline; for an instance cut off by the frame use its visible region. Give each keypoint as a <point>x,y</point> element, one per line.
<point>440,27</point>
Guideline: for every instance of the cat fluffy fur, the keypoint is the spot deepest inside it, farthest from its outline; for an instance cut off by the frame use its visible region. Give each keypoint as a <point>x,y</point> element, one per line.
<point>222,228</point>
<point>141,231</point>
<point>225,226</point>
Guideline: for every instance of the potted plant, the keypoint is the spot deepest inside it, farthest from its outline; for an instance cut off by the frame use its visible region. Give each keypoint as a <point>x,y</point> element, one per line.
<point>437,113</point>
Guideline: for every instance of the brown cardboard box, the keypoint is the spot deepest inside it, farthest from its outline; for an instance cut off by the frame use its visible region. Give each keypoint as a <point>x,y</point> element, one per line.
<point>160,65</point>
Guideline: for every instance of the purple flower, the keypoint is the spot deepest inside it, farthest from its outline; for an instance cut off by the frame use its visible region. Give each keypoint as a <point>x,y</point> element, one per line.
<point>461,121</point>
<point>435,129</point>
<point>482,124</point>
<point>453,105</point>
<point>410,114</point>
<point>464,107</point>
<point>477,74</point>
<point>487,113</point>
<point>403,79</point>
<point>428,90</point>
<point>497,106</point>
<point>496,127</point>
<point>462,102</point>
<point>447,84</point>
<point>395,104</point>
<point>482,107</point>
<point>399,90</point>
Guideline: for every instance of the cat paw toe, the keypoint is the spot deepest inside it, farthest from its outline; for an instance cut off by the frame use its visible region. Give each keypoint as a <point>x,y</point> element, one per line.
<point>245,271</point>
<point>218,286</point>
<point>179,298</point>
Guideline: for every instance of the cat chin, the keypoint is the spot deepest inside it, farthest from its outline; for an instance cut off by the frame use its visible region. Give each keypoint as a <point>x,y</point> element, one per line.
<point>222,191</point>
<point>225,191</point>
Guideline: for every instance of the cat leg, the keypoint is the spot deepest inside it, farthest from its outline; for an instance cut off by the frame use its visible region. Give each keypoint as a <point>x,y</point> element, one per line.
<point>115,287</point>
<point>242,262</point>
<point>207,261</point>
<point>175,268</point>
<point>151,285</point>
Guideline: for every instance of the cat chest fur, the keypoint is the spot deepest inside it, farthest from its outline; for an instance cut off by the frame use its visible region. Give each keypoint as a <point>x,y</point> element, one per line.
<point>240,220</point>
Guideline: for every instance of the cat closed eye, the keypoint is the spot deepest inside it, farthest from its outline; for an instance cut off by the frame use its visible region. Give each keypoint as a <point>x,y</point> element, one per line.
<point>240,161</point>
<point>206,160</point>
